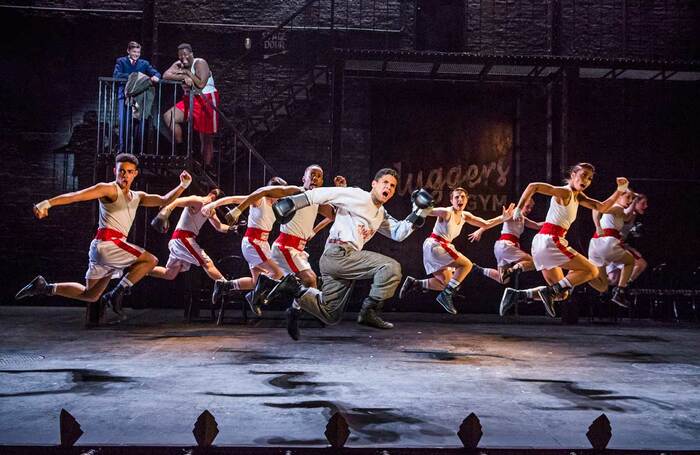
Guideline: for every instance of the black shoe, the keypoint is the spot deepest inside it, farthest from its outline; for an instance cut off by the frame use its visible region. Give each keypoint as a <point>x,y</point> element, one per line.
<point>509,299</point>
<point>619,297</point>
<point>546,294</point>
<point>292,314</point>
<point>445,299</point>
<point>262,287</point>
<point>38,286</point>
<point>368,315</point>
<point>253,307</point>
<point>409,285</point>
<point>289,286</point>
<point>220,289</point>
<point>114,299</point>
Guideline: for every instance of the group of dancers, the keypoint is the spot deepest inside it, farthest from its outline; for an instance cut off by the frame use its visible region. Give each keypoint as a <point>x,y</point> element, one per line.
<point>282,272</point>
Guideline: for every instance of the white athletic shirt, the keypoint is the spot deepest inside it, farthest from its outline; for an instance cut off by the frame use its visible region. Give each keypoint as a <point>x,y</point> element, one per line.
<point>610,221</point>
<point>562,215</point>
<point>302,223</point>
<point>209,88</point>
<point>191,220</point>
<point>119,215</point>
<point>513,227</point>
<point>357,218</point>
<point>449,228</point>
<point>261,217</point>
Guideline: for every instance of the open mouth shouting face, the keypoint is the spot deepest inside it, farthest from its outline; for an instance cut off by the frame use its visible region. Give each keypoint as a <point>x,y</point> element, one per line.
<point>459,199</point>
<point>384,188</point>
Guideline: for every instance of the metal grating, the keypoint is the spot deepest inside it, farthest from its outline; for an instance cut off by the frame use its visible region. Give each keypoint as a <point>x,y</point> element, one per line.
<point>593,73</point>
<point>14,359</point>
<point>363,65</point>
<point>409,67</point>
<point>459,68</point>
<point>685,76</point>
<point>639,74</point>
<point>510,70</point>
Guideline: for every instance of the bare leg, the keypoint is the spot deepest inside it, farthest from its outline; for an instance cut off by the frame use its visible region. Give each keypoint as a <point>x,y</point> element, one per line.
<point>627,270</point>
<point>212,271</point>
<point>164,273</point>
<point>600,283</point>
<point>143,265</point>
<point>308,278</point>
<point>640,265</point>
<point>207,147</point>
<point>91,292</point>
<point>173,118</point>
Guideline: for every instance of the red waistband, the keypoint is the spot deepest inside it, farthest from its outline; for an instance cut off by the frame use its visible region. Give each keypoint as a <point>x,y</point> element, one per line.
<point>511,238</point>
<point>609,233</point>
<point>182,234</point>
<point>291,241</point>
<point>255,233</point>
<point>108,234</point>
<point>439,239</point>
<point>553,230</point>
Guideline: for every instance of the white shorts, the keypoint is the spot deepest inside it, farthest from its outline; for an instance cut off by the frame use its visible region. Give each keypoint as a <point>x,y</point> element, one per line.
<point>437,256</point>
<point>255,251</point>
<point>508,253</point>
<point>605,250</point>
<point>184,252</point>
<point>110,258</point>
<point>549,251</point>
<point>290,259</point>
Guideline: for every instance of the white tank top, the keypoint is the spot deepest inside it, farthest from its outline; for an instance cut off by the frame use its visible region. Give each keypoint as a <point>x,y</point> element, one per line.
<point>191,220</point>
<point>513,227</point>
<point>302,223</point>
<point>626,228</point>
<point>562,215</point>
<point>610,221</point>
<point>209,88</point>
<point>261,217</point>
<point>119,215</point>
<point>450,228</point>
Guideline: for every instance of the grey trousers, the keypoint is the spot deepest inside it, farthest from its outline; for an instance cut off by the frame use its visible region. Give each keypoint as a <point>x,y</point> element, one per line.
<point>340,268</point>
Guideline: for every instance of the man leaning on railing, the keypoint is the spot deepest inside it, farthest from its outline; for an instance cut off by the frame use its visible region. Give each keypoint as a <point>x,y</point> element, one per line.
<point>196,76</point>
<point>123,67</point>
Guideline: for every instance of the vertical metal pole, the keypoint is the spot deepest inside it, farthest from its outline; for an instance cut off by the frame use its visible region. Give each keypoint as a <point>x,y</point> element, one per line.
<point>111,116</point>
<point>160,93</point>
<point>337,114</point>
<point>516,143</point>
<point>189,125</point>
<point>172,122</point>
<point>99,106</point>
<point>235,158</point>
<point>550,139</point>
<point>250,175</point>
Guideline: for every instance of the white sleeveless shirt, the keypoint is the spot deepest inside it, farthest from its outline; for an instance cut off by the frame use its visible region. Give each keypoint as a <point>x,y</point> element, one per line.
<point>562,215</point>
<point>449,228</point>
<point>261,217</point>
<point>513,227</point>
<point>119,215</point>
<point>191,220</point>
<point>610,221</point>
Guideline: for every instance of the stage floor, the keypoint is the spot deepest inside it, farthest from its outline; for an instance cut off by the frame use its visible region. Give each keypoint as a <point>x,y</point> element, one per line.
<point>534,383</point>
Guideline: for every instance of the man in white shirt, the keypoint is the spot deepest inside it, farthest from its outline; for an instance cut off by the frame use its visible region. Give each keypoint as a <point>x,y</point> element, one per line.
<point>359,215</point>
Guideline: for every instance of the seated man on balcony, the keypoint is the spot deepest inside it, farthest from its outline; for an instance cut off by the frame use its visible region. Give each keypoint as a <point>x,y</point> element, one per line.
<point>196,76</point>
<point>131,63</point>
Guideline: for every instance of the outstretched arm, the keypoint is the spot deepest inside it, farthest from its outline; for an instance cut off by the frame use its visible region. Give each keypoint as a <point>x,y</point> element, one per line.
<point>541,188</point>
<point>100,190</point>
<point>533,224</point>
<point>218,225</point>
<point>606,205</point>
<point>488,224</point>
<point>157,200</point>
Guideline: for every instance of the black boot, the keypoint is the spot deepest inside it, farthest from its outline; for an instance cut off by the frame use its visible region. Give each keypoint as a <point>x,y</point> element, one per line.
<point>619,297</point>
<point>289,286</point>
<point>255,308</point>
<point>409,285</point>
<point>38,286</point>
<point>292,316</point>
<point>445,299</point>
<point>221,288</point>
<point>114,299</point>
<point>262,288</point>
<point>509,299</point>
<point>369,315</point>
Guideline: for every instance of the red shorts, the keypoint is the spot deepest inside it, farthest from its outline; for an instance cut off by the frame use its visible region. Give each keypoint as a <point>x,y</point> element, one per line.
<point>206,119</point>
